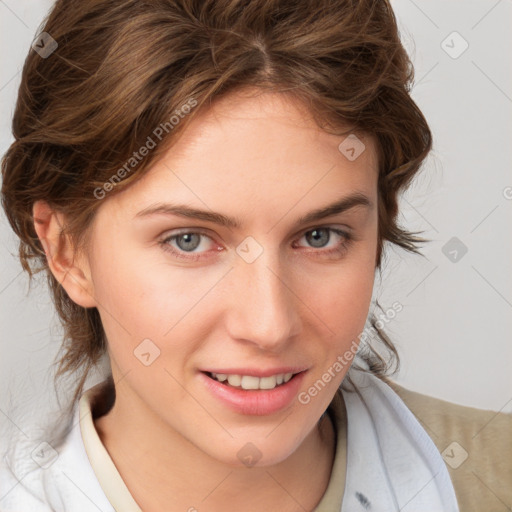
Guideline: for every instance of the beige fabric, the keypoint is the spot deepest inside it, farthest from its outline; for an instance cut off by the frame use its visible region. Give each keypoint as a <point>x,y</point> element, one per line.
<point>106,472</point>
<point>333,496</point>
<point>482,481</point>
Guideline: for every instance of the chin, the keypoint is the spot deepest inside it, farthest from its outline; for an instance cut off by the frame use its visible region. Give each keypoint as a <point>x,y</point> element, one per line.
<point>259,452</point>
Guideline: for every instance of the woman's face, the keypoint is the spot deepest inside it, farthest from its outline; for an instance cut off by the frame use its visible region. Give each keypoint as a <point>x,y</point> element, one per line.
<point>253,288</point>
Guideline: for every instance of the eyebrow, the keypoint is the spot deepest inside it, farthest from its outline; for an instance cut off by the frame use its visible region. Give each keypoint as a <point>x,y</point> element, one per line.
<point>344,204</point>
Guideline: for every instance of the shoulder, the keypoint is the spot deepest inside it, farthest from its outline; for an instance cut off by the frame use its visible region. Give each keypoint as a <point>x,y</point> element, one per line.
<point>20,483</point>
<point>476,445</point>
<point>39,476</point>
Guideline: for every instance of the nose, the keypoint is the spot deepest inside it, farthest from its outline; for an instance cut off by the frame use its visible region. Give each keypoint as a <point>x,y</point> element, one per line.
<point>264,305</point>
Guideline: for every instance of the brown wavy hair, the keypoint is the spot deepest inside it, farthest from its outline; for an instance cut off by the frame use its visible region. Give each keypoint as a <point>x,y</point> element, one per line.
<point>123,68</point>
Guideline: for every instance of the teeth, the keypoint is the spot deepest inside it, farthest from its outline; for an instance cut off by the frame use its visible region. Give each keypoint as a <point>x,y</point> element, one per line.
<point>234,380</point>
<point>250,382</point>
<point>267,382</point>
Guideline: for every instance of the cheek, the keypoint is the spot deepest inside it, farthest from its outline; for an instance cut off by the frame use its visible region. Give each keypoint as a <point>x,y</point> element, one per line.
<point>139,299</point>
<point>122,290</point>
<point>342,299</point>
<point>344,308</point>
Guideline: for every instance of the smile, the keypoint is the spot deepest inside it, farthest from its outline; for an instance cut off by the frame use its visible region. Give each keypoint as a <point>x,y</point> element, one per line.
<point>249,382</point>
<point>251,394</point>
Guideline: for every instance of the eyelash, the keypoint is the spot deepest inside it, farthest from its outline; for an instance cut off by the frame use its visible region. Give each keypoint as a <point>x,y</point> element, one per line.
<point>338,250</point>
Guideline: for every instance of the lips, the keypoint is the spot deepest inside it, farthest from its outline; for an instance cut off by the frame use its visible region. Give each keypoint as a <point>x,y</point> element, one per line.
<point>254,401</point>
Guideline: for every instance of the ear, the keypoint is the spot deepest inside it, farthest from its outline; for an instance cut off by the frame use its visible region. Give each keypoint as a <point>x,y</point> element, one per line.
<point>70,269</point>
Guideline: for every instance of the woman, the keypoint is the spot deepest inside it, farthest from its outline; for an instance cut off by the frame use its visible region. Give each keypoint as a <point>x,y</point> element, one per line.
<point>209,186</point>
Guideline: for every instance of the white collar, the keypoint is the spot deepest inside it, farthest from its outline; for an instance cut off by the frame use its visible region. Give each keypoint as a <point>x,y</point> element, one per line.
<point>392,464</point>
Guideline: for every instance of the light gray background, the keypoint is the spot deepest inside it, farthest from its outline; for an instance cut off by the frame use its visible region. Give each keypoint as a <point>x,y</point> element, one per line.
<point>453,334</point>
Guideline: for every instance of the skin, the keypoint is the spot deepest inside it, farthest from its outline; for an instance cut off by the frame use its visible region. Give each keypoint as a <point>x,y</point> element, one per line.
<point>260,158</point>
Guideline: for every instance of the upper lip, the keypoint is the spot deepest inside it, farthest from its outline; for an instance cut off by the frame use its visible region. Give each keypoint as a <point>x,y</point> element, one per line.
<point>257,372</point>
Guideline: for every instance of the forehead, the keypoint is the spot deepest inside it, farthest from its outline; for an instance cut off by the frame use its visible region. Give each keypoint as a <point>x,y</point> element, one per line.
<point>256,151</point>
<point>260,121</point>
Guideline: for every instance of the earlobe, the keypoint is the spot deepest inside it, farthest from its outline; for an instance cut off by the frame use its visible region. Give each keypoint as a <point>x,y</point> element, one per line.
<point>68,267</point>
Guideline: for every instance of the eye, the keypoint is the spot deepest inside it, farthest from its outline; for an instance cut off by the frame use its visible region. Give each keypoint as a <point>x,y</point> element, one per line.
<point>320,237</point>
<point>187,242</point>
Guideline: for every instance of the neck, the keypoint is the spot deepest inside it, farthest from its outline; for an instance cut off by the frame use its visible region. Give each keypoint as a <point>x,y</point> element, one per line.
<point>164,468</point>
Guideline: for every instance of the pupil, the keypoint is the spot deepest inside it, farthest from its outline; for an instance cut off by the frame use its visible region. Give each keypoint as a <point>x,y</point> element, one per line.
<point>189,239</point>
<point>316,236</point>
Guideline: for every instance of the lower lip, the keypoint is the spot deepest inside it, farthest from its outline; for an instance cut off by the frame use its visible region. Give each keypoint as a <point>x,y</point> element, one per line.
<point>257,402</point>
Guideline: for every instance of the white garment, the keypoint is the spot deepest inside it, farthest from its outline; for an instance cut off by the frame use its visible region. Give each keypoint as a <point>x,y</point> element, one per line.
<point>69,484</point>
<point>392,464</point>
